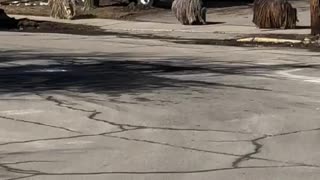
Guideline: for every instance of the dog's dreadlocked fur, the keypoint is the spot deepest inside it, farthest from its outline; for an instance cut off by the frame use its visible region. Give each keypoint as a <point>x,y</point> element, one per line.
<point>189,12</point>
<point>62,9</point>
<point>274,14</point>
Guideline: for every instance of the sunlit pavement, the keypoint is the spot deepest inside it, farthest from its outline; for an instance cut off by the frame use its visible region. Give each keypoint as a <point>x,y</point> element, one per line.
<point>85,107</point>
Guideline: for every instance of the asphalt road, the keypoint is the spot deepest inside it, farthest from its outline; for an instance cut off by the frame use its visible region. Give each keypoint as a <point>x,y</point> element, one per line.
<point>101,107</point>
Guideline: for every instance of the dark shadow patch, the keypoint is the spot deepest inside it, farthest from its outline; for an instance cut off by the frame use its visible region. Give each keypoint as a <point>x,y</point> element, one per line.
<point>302,27</point>
<point>110,74</point>
<point>214,23</point>
<point>143,99</point>
<point>65,28</point>
<point>121,102</point>
<point>85,16</point>
<point>27,25</point>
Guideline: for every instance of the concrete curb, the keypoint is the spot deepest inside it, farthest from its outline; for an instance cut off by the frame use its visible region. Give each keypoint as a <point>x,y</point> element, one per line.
<point>178,31</point>
<point>269,40</point>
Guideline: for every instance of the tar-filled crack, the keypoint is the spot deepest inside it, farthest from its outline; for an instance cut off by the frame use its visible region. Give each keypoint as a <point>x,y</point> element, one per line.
<point>239,159</point>
<point>172,145</point>
<point>257,148</point>
<point>22,177</point>
<point>235,165</point>
<point>25,162</point>
<point>63,104</point>
<point>19,171</point>
<point>194,171</point>
<point>129,127</point>
<point>95,113</point>
<point>65,137</point>
<point>123,126</point>
<point>39,124</point>
<point>227,141</point>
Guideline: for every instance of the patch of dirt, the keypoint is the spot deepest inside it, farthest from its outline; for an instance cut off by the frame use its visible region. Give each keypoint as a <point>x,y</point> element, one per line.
<point>128,12</point>
<point>27,10</point>
<point>26,25</point>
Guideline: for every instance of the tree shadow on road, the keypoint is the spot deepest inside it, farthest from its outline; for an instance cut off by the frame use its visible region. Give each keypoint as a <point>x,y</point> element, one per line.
<point>116,74</point>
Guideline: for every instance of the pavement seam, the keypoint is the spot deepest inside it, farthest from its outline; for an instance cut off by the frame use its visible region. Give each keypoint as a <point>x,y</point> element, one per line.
<point>39,124</point>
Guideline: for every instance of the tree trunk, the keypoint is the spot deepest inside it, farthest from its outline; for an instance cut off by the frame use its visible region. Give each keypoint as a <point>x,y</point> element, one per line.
<point>315,17</point>
<point>62,9</point>
<point>89,4</point>
<point>189,12</point>
<point>274,14</point>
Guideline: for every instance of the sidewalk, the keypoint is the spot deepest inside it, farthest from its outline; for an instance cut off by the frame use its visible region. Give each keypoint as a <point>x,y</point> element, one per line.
<point>231,26</point>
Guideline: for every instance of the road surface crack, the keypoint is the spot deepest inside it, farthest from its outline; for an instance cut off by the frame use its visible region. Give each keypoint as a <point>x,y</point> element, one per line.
<point>94,113</point>
<point>257,149</point>
<point>240,157</point>
<point>258,146</point>
<point>63,138</point>
<point>171,145</point>
<point>39,124</point>
<point>197,171</point>
<point>26,162</point>
<point>235,165</point>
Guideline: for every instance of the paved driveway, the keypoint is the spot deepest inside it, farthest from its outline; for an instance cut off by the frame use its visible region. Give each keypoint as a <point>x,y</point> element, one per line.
<point>84,107</point>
